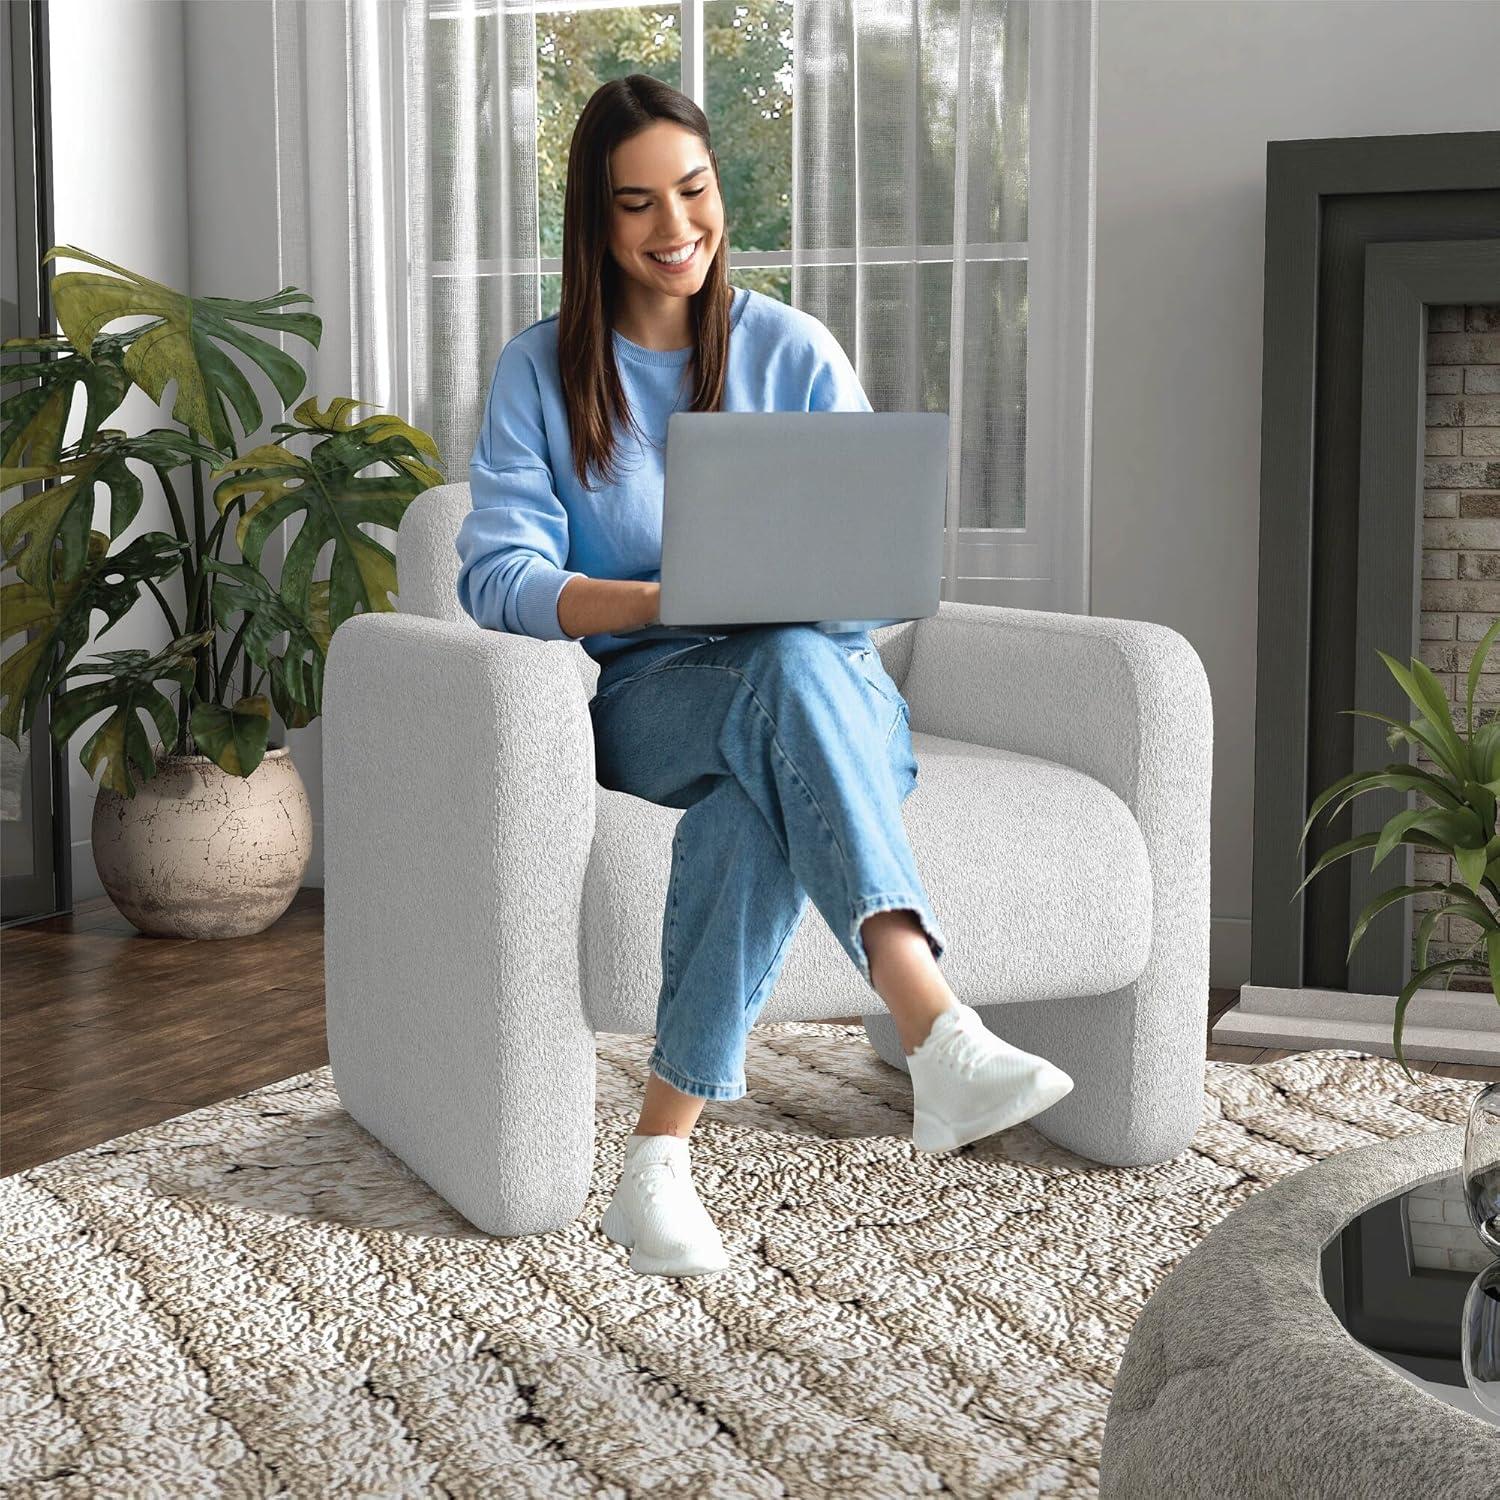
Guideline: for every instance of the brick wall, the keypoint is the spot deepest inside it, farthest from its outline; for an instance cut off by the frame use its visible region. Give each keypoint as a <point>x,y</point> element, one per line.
<point>1460,560</point>
<point>1443,1236</point>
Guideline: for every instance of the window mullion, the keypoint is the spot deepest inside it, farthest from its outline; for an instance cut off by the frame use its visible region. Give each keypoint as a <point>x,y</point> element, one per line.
<point>691,21</point>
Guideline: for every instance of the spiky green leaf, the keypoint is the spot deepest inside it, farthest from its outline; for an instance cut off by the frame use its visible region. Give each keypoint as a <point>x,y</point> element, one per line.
<point>1476,666</point>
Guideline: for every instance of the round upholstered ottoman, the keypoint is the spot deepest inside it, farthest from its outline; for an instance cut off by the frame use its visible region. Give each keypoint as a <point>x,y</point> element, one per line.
<point>1240,1381</point>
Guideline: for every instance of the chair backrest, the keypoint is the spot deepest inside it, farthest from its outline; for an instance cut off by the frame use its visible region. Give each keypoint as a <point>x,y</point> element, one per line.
<point>427,566</point>
<point>426,558</point>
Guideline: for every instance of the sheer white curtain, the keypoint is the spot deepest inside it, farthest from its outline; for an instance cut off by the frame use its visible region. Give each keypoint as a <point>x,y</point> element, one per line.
<point>406,179</point>
<point>943,172</point>
<point>942,227</point>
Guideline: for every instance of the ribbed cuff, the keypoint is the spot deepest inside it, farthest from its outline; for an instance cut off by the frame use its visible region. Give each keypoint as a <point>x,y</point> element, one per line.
<point>536,594</point>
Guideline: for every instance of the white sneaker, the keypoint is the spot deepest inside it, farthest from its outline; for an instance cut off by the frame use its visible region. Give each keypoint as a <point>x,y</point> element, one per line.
<point>656,1214</point>
<point>967,1082</point>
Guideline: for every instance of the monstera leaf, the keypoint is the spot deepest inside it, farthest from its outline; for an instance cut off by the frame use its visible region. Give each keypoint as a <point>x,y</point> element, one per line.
<point>128,688</point>
<point>181,346</point>
<point>337,499</point>
<point>61,619</point>
<point>233,738</point>
<point>317,614</point>
<point>32,420</point>
<point>64,512</point>
<point>296,676</point>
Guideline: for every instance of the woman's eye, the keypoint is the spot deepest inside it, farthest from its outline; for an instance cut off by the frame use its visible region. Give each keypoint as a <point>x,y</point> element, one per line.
<point>640,208</point>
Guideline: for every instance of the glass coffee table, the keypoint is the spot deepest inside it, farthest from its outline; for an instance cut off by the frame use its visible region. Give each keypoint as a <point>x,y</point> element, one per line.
<point>1398,1275</point>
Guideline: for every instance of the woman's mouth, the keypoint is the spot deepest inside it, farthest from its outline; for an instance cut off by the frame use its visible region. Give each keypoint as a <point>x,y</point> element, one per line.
<point>687,255</point>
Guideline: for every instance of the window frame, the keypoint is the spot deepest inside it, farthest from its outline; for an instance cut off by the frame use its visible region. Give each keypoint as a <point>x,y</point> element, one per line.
<point>693,85</point>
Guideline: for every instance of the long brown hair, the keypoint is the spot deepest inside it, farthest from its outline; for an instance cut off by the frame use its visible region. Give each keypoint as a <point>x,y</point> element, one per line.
<point>592,391</point>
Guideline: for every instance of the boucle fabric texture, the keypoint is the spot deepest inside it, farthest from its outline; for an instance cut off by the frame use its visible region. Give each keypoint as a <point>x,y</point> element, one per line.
<point>491,907</point>
<point>1239,1380</point>
<point>257,1299</point>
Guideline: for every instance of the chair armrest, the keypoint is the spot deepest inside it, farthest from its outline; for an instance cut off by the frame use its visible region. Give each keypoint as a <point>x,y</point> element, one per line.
<point>1125,701</point>
<point>459,800</point>
<point>459,765</point>
<point>480,733</point>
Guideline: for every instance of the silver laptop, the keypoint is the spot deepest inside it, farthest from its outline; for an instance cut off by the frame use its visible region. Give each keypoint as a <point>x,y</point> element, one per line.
<point>832,519</point>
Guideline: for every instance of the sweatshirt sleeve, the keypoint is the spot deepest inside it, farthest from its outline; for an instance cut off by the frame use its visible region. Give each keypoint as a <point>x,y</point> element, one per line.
<point>835,386</point>
<point>513,544</point>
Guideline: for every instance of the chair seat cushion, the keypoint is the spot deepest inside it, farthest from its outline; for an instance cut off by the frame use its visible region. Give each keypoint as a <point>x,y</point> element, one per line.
<point>1037,874</point>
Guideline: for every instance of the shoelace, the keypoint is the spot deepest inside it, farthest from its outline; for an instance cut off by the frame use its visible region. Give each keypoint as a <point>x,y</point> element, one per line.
<point>654,1185</point>
<point>966,1045</point>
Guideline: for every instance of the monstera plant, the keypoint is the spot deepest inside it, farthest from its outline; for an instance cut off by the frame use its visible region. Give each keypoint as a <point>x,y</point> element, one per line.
<point>65,570</point>
<point>1460,824</point>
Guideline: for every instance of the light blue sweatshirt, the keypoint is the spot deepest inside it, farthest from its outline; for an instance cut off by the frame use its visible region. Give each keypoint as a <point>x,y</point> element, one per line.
<point>533,526</point>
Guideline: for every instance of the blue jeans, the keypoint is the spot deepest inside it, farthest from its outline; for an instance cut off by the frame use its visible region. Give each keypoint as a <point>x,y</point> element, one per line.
<point>790,750</point>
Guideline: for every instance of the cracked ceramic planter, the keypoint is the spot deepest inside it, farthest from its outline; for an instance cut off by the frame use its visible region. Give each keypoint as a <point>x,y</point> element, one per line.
<point>198,853</point>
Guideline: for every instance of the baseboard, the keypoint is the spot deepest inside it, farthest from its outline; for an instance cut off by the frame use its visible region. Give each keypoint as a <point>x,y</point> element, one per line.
<point>1439,1026</point>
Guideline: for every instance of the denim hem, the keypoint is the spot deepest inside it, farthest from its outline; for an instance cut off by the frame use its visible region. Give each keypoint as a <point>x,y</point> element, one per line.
<point>688,1085</point>
<point>894,901</point>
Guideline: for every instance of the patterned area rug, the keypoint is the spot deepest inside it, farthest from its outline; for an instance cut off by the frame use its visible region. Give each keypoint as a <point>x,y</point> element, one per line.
<point>257,1299</point>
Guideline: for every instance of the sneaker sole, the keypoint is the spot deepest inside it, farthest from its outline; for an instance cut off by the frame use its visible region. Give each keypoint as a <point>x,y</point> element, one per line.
<point>617,1228</point>
<point>929,1133</point>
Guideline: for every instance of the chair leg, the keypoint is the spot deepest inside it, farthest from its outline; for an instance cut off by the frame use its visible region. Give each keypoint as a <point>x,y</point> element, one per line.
<point>1137,1095</point>
<point>880,1027</point>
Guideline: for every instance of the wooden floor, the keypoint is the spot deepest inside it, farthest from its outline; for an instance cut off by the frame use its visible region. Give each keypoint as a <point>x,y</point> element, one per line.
<point>104,1030</point>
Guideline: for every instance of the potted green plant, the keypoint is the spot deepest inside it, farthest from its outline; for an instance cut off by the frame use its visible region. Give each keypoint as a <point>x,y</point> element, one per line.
<point>1461,825</point>
<point>215,841</point>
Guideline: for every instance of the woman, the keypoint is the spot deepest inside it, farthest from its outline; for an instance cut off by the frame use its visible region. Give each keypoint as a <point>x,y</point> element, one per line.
<point>789,748</point>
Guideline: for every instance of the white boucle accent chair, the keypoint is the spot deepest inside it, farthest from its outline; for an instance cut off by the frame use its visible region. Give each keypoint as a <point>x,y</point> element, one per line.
<point>489,907</point>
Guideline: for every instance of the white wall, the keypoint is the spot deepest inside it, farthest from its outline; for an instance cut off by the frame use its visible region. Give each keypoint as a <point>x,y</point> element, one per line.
<point>118,89</point>
<point>164,161</point>
<point>1189,94</point>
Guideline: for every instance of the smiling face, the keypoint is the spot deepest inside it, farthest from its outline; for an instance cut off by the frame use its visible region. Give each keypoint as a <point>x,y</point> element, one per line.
<point>665,195</point>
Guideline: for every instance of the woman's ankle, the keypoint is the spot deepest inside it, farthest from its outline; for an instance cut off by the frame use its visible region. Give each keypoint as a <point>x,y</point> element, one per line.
<point>914,1029</point>
<point>667,1110</point>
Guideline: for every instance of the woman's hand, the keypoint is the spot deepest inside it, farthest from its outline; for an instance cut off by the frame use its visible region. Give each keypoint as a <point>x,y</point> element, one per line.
<point>655,605</point>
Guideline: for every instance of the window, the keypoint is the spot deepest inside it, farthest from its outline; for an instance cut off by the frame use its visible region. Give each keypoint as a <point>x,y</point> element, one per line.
<point>740,54</point>
<point>1029,398</point>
